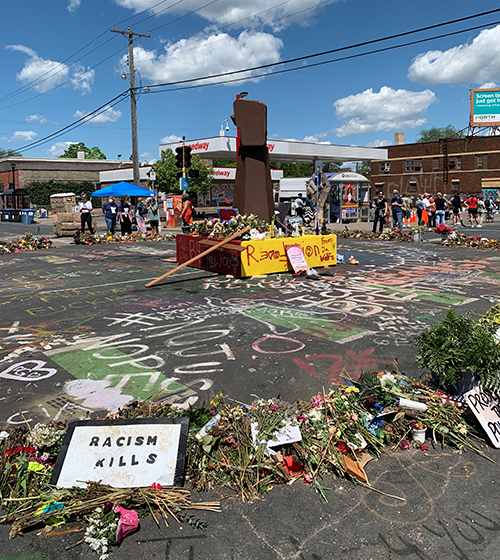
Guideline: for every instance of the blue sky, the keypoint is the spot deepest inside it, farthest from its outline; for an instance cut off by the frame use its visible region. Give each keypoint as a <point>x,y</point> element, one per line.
<point>60,61</point>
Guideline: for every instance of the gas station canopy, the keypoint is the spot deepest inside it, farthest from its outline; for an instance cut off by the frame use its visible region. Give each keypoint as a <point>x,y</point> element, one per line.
<point>224,147</point>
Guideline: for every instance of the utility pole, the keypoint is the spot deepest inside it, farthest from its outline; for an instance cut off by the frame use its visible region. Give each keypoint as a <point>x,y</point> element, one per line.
<point>133,98</point>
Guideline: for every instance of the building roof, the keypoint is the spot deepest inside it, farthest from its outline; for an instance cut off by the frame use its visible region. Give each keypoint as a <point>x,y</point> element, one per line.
<point>224,147</point>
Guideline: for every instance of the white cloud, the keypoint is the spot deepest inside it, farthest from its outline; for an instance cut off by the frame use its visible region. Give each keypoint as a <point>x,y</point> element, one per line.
<point>488,85</point>
<point>73,5</point>
<point>170,139</point>
<point>389,109</point>
<point>312,139</point>
<point>205,56</point>
<point>40,119</point>
<point>43,75</point>
<point>23,135</point>
<point>475,62</point>
<point>59,148</point>
<point>232,11</point>
<point>147,158</point>
<point>108,114</point>
<point>379,144</point>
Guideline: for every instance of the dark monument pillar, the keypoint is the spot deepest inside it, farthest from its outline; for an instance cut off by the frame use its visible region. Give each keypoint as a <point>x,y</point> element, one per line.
<point>253,191</point>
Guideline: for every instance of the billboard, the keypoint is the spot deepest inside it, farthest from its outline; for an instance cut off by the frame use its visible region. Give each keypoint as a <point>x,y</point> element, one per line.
<point>485,107</point>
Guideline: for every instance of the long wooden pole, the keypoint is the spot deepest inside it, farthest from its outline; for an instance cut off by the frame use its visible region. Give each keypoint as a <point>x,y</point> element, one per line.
<point>190,261</point>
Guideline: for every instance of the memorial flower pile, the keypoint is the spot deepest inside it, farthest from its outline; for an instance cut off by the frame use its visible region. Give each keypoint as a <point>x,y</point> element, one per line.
<point>27,243</point>
<point>470,242</point>
<point>216,228</point>
<point>386,235</point>
<point>89,239</point>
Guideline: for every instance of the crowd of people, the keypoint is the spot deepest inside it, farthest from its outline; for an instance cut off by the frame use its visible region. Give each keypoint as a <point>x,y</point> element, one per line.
<point>126,215</point>
<point>432,210</point>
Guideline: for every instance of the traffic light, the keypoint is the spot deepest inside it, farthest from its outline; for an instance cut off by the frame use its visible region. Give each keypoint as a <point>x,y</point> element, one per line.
<point>187,156</point>
<point>179,156</point>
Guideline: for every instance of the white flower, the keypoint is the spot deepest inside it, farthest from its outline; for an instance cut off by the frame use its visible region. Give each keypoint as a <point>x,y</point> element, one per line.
<point>315,414</point>
<point>387,377</point>
<point>4,435</point>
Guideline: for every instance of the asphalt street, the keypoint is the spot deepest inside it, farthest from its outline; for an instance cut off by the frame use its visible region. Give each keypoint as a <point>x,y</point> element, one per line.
<point>80,334</point>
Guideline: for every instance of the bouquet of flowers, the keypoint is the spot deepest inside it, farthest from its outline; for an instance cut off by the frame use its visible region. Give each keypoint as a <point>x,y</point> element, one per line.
<point>443,230</point>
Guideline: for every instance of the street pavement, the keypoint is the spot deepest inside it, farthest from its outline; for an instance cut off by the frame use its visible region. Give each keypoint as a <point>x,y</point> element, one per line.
<point>80,334</point>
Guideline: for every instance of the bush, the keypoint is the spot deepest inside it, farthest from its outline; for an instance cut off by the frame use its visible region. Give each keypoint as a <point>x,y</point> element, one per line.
<point>40,191</point>
<point>461,345</point>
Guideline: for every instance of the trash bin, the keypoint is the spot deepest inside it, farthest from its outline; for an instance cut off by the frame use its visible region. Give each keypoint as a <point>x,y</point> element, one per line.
<point>27,216</point>
<point>15,215</point>
<point>5,215</point>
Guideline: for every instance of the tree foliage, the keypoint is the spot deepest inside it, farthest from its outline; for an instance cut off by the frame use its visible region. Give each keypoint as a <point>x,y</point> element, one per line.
<point>90,153</point>
<point>223,163</point>
<point>40,191</point>
<point>434,134</point>
<point>294,169</point>
<point>166,174</point>
<point>9,153</point>
<point>364,167</point>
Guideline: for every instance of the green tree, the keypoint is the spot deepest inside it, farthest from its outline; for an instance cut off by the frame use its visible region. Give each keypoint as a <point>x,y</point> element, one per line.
<point>364,167</point>
<point>90,153</point>
<point>166,174</point>
<point>223,163</point>
<point>294,169</point>
<point>434,134</point>
<point>9,153</point>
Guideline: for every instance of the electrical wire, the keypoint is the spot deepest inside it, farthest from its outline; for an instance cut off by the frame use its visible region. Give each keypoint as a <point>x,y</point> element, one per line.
<point>296,59</point>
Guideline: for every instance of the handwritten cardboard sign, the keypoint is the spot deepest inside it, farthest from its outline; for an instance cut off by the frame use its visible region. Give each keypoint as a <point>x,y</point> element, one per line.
<point>297,259</point>
<point>486,408</point>
<point>123,453</point>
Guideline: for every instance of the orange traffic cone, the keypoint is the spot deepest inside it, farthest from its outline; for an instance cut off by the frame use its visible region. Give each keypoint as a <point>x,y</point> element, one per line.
<point>413,217</point>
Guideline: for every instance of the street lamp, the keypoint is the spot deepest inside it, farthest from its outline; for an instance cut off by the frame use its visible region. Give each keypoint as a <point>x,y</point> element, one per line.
<point>13,165</point>
<point>221,133</point>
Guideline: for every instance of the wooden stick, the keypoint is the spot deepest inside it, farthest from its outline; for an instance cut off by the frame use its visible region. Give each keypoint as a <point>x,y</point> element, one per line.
<point>190,261</point>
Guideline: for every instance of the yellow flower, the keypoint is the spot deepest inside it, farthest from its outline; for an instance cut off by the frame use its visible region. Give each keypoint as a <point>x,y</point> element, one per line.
<point>352,389</point>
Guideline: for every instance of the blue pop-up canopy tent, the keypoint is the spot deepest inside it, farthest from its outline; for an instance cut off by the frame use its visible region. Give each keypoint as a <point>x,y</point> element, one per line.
<point>124,189</point>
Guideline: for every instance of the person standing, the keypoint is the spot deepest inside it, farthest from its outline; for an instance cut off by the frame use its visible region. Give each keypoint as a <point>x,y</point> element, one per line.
<point>406,209</point>
<point>427,208</point>
<point>140,215</point>
<point>85,207</point>
<point>432,212</point>
<point>380,205</point>
<point>187,211</point>
<point>124,216</point>
<point>397,211</point>
<point>110,212</point>
<point>471,204</point>
<point>481,209</point>
<point>299,205</point>
<point>153,215</point>
<point>420,206</point>
<point>440,204</point>
<point>456,203</point>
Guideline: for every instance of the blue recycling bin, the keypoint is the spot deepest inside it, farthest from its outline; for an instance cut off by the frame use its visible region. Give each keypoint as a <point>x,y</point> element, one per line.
<point>5,215</point>
<point>27,216</point>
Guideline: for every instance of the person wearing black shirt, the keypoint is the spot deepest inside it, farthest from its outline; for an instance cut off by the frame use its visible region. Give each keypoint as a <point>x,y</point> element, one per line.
<point>380,205</point>
<point>441,206</point>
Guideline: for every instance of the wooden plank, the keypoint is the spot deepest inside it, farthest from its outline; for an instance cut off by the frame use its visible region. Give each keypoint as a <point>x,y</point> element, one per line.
<point>231,246</point>
<point>194,259</point>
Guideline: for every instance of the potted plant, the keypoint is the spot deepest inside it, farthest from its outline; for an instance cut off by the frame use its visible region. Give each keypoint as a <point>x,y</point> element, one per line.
<point>417,233</point>
<point>443,231</point>
<point>419,430</point>
<point>460,352</point>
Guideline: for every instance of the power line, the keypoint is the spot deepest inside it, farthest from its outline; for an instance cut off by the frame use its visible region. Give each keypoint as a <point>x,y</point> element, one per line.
<point>340,49</point>
<point>79,122</point>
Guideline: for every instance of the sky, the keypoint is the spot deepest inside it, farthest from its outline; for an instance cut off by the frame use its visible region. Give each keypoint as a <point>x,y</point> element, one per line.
<point>60,61</point>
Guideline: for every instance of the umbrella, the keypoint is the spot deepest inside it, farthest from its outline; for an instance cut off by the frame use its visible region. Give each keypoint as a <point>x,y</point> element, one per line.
<point>123,189</point>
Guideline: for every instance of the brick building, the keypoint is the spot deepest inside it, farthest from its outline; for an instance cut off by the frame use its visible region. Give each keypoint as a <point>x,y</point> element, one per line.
<point>467,165</point>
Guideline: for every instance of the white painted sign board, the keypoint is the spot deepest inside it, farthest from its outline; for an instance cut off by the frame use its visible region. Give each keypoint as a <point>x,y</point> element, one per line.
<point>486,408</point>
<point>123,453</point>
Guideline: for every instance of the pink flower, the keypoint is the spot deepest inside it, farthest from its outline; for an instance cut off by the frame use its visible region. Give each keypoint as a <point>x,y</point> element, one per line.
<point>308,477</point>
<point>274,408</point>
<point>156,486</point>
<point>405,444</point>
<point>127,524</point>
<point>317,402</point>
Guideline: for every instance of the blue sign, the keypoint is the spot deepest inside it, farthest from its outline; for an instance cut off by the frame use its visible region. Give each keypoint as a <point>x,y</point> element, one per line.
<point>184,182</point>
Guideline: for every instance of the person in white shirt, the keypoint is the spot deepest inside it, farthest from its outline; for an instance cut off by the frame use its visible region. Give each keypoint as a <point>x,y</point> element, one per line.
<point>426,206</point>
<point>85,208</point>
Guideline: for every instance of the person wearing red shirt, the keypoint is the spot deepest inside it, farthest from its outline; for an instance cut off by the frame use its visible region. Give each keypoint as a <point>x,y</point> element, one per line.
<point>471,204</point>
